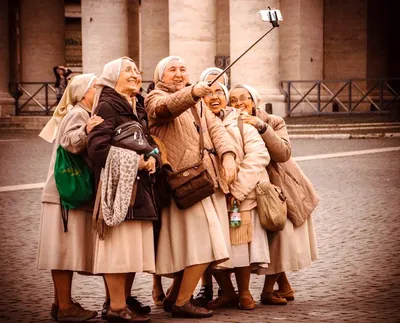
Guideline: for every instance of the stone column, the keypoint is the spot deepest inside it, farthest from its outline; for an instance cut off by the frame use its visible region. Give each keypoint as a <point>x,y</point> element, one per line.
<point>154,27</point>
<point>42,39</point>
<point>134,31</point>
<point>260,66</point>
<point>104,33</point>
<point>301,45</point>
<point>6,101</point>
<point>192,33</point>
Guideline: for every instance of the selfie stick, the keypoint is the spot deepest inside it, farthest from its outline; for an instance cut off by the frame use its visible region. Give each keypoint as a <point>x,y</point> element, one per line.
<point>273,18</point>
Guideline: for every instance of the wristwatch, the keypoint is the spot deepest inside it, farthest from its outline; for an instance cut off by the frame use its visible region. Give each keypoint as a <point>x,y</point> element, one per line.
<point>262,128</point>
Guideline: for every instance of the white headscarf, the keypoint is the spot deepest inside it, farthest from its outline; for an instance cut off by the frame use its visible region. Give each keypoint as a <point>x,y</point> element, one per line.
<point>109,77</point>
<point>160,68</point>
<point>74,93</point>
<point>255,96</point>
<point>213,71</point>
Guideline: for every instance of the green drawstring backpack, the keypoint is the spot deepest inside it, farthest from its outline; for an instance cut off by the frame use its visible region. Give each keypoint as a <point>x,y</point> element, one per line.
<point>74,182</point>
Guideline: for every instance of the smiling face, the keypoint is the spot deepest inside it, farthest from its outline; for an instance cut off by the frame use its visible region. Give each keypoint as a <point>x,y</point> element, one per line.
<point>240,98</point>
<point>175,74</point>
<point>129,80</point>
<point>215,100</point>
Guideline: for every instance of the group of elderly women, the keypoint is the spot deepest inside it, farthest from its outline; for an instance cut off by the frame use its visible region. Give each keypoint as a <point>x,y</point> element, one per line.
<point>183,244</point>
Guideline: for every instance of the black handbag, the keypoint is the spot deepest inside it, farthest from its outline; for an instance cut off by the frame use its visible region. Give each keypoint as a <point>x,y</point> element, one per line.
<point>130,135</point>
<point>193,183</point>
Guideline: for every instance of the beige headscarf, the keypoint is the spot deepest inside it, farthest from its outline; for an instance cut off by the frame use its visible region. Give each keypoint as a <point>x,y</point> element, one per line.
<point>74,92</point>
<point>109,77</point>
<point>160,68</point>
<point>255,96</point>
<point>213,71</point>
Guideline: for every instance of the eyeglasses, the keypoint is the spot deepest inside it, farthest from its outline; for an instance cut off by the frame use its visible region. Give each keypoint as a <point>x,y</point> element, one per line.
<point>129,69</point>
<point>241,98</point>
<point>217,93</point>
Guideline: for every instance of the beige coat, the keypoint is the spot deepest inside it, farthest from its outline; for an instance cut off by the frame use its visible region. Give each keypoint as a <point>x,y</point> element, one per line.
<point>293,248</point>
<point>276,139</point>
<point>199,234</point>
<point>72,250</point>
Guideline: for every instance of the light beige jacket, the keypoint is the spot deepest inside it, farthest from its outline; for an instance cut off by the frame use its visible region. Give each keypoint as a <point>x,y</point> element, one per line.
<point>252,157</point>
<point>72,137</point>
<point>276,139</point>
<point>171,120</point>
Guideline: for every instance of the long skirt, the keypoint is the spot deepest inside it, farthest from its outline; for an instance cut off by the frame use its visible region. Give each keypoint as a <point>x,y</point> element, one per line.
<point>59,250</point>
<point>126,248</point>
<point>197,235</point>
<point>293,248</point>
<point>254,253</point>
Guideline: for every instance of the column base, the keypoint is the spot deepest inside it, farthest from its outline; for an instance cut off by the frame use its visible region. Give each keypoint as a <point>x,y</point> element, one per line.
<point>7,104</point>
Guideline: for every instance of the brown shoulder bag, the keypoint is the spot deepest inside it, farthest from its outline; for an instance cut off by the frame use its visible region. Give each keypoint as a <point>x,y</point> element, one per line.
<point>193,183</point>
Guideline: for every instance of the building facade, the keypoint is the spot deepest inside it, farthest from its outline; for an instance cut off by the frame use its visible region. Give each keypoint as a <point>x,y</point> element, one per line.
<point>318,39</point>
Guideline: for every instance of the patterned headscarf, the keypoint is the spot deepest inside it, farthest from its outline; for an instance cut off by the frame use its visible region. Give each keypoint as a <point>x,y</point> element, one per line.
<point>255,96</point>
<point>213,71</point>
<point>74,93</point>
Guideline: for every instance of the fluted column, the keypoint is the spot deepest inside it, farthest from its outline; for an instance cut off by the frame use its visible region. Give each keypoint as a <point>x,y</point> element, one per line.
<point>260,66</point>
<point>104,33</point>
<point>192,33</point>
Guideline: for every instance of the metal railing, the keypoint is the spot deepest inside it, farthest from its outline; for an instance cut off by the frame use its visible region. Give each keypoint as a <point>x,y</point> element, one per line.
<point>38,94</point>
<point>343,96</point>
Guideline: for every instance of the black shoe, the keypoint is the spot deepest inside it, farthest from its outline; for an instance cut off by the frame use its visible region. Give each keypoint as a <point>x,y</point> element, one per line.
<point>54,311</point>
<point>137,306</point>
<point>168,304</point>
<point>219,292</point>
<point>204,296</point>
<point>106,306</point>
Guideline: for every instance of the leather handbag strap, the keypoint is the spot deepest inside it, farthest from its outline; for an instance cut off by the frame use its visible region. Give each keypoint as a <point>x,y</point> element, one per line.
<point>198,124</point>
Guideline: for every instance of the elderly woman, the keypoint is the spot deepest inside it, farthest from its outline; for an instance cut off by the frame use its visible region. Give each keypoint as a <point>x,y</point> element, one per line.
<point>205,293</point>
<point>193,238</point>
<point>127,247</point>
<point>293,248</point>
<point>66,252</point>
<point>249,241</point>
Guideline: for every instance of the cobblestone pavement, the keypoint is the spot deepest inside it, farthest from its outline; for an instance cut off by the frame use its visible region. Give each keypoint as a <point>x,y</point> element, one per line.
<point>356,278</point>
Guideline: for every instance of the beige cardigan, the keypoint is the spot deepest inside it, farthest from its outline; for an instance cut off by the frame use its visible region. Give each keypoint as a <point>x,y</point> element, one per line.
<point>72,137</point>
<point>252,157</point>
<point>171,120</point>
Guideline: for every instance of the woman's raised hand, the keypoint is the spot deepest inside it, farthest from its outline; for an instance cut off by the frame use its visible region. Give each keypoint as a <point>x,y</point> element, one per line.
<point>229,168</point>
<point>201,89</point>
<point>254,121</point>
<point>93,122</point>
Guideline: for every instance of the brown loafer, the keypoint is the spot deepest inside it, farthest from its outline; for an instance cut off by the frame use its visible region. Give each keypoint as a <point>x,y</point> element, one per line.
<point>75,313</point>
<point>190,310</point>
<point>272,299</point>
<point>125,315</point>
<point>246,302</point>
<point>289,295</point>
<point>137,306</point>
<point>223,302</point>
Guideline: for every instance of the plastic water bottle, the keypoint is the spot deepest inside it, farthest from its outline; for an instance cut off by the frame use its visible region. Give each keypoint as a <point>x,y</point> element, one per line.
<point>235,219</point>
<point>154,152</point>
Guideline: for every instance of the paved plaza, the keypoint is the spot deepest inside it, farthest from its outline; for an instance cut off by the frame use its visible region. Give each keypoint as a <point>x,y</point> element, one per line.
<point>356,278</point>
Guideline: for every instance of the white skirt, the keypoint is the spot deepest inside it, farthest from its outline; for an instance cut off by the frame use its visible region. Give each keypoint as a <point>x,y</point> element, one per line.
<point>59,250</point>
<point>197,235</point>
<point>254,253</point>
<point>293,248</point>
<point>127,248</point>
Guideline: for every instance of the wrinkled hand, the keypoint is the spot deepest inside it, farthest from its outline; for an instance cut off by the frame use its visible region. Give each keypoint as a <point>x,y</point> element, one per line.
<point>147,165</point>
<point>229,168</point>
<point>93,122</point>
<point>254,121</point>
<point>201,89</point>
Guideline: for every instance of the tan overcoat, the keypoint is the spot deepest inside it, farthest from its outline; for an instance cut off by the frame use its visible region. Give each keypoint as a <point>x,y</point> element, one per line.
<point>199,234</point>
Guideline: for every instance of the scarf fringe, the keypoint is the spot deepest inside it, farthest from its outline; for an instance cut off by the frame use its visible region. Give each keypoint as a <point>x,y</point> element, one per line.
<point>243,233</point>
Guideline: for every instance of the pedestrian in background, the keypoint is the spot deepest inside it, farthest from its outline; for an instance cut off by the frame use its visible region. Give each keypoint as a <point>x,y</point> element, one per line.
<point>67,252</point>
<point>293,248</point>
<point>61,73</point>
